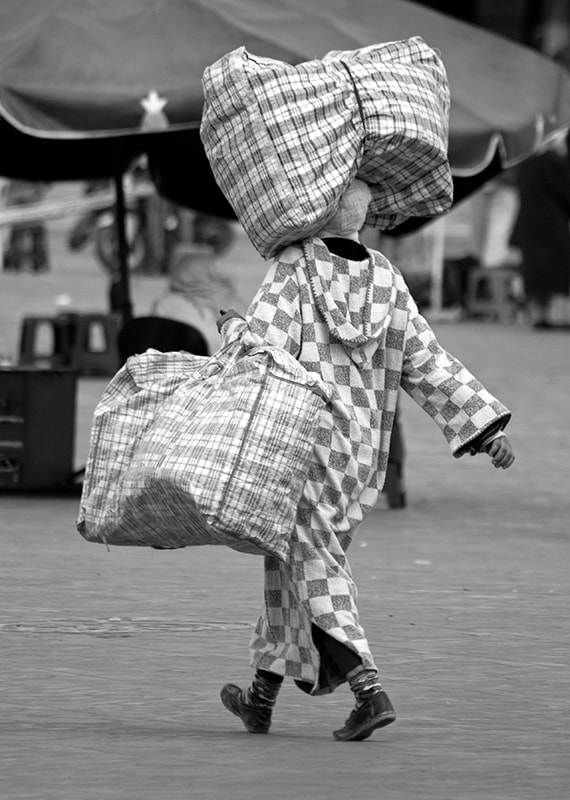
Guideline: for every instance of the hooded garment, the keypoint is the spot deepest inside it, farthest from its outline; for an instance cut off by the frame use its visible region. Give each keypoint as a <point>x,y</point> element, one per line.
<point>355,324</point>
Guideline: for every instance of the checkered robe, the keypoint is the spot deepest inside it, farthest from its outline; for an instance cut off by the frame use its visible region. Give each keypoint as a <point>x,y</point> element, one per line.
<point>355,324</point>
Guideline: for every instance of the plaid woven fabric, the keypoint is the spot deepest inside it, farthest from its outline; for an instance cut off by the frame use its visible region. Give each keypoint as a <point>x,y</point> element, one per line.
<point>188,451</point>
<point>355,324</point>
<point>404,100</point>
<point>285,141</point>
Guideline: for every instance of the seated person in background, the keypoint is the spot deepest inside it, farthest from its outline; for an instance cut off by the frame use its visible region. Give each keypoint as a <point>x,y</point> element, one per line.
<point>197,293</point>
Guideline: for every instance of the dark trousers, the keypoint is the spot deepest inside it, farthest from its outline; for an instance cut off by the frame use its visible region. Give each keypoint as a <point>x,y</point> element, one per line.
<point>27,248</point>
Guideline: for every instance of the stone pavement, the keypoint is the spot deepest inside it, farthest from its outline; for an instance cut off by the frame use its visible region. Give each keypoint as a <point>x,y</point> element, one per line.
<point>112,661</point>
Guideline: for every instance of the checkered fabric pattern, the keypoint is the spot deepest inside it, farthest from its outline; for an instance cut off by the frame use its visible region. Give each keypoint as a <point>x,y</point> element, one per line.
<point>355,324</point>
<point>188,451</point>
<point>285,141</point>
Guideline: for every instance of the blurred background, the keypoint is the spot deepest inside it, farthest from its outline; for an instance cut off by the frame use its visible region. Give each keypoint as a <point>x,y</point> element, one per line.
<point>108,207</point>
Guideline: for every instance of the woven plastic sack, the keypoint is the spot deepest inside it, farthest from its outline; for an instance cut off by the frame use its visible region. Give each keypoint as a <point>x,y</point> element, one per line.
<point>285,141</point>
<point>189,451</point>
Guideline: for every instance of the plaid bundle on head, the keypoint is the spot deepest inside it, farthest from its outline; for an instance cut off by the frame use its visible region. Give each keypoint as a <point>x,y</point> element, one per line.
<point>284,142</point>
<point>193,451</point>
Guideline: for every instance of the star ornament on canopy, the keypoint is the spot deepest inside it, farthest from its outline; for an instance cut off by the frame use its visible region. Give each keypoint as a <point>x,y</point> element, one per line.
<point>154,118</point>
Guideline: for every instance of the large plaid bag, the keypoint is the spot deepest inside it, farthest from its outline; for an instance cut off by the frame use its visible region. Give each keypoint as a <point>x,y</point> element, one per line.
<point>285,141</point>
<point>188,450</point>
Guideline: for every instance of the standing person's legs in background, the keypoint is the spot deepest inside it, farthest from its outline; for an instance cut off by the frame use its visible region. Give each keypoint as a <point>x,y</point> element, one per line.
<point>27,247</point>
<point>39,256</point>
<point>539,308</point>
<point>14,254</point>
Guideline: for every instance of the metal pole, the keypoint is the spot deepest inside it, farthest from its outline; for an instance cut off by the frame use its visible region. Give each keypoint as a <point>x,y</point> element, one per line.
<point>123,249</point>
<point>436,266</point>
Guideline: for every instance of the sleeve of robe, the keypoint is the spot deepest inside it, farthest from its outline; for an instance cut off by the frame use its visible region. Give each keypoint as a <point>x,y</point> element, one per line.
<point>440,384</point>
<point>277,317</point>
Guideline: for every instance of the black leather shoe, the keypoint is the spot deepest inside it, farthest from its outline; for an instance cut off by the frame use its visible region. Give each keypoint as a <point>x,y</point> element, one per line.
<point>374,713</point>
<point>257,719</point>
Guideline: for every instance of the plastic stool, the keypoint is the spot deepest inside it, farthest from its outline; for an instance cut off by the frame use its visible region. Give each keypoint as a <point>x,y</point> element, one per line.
<point>490,293</point>
<point>94,349</point>
<point>38,331</point>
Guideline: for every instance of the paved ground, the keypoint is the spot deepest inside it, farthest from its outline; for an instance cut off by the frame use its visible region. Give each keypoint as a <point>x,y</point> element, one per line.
<point>112,661</point>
